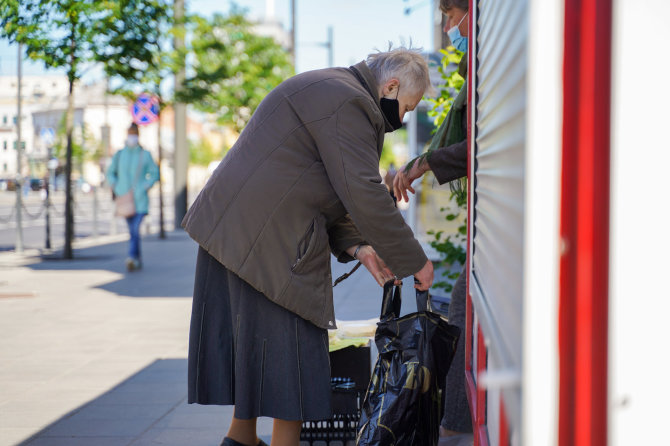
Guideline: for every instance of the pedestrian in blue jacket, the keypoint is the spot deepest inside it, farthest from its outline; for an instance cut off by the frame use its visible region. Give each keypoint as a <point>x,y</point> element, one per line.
<point>133,168</point>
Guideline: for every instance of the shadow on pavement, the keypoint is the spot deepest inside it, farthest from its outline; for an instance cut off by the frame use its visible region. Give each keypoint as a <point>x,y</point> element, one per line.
<point>168,271</point>
<point>148,408</point>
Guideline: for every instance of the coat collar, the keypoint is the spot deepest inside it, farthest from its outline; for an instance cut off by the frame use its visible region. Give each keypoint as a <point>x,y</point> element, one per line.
<point>367,79</point>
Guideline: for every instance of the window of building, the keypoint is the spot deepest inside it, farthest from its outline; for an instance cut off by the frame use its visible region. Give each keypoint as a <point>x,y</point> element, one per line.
<point>4,145</point>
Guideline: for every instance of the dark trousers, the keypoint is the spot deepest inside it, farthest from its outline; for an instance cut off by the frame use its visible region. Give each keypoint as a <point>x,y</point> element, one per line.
<point>456,408</point>
<point>134,223</point>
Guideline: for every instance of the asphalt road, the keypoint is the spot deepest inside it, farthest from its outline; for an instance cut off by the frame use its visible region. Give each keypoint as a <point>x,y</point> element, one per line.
<point>91,219</point>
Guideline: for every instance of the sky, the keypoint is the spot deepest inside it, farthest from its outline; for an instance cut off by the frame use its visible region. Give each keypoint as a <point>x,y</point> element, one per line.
<point>359,28</point>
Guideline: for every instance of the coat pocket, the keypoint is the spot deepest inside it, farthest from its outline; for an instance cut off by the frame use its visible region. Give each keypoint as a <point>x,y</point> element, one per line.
<point>310,245</point>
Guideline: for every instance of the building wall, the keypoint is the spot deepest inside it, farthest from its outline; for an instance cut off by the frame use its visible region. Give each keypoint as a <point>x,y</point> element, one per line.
<point>37,92</point>
<point>8,138</point>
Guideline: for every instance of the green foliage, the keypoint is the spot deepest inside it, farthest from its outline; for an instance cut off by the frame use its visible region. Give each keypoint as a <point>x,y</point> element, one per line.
<point>61,34</point>
<point>202,153</point>
<point>451,248</point>
<point>388,156</point>
<point>452,84</point>
<point>137,54</point>
<point>233,68</point>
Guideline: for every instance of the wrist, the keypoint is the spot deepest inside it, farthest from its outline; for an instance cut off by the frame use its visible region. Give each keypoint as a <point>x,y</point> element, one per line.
<point>424,166</point>
<point>357,251</point>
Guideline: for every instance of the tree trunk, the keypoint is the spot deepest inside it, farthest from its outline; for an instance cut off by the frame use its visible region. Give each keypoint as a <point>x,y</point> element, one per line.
<point>69,124</point>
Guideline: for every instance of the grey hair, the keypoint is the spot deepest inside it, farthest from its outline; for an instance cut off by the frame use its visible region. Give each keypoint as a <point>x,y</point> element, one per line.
<point>405,64</point>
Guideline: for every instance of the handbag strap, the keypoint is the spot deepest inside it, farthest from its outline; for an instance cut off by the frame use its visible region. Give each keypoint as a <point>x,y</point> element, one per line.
<point>346,275</point>
<point>138,169</point>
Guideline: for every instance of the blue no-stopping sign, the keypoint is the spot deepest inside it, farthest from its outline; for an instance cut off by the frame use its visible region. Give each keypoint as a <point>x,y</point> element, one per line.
<point>145,109</point>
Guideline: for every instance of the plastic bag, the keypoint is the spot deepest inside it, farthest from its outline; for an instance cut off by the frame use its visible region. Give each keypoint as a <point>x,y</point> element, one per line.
<point>402,403</point>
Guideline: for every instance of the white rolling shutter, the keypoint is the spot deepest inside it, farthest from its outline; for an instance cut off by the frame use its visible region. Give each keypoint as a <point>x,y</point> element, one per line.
<point>497,225</point>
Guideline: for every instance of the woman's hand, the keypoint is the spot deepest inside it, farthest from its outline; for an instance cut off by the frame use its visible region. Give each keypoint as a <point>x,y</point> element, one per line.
<point>403,180</point>
<point>369,258</point>
<point>424,278</point>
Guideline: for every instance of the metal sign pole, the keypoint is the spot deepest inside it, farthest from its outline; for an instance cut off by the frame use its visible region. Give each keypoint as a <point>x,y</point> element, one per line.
<point>160,179</point>
<point>19,153</point>
<point>47,200</point>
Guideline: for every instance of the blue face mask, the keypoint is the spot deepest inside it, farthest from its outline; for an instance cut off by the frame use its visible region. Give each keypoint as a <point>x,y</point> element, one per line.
<point>457,40</point>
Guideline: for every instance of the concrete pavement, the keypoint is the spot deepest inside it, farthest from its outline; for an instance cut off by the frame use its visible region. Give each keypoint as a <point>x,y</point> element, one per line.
<point>93,355</point>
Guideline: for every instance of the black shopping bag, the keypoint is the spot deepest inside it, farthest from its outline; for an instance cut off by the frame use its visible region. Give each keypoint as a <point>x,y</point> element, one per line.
<point>402,403</point>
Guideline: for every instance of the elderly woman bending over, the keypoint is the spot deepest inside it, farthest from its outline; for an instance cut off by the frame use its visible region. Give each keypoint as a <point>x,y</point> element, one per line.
<point>302,181</point>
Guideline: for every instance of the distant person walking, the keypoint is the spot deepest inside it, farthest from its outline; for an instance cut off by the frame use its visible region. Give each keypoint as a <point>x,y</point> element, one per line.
<point>133,169</point>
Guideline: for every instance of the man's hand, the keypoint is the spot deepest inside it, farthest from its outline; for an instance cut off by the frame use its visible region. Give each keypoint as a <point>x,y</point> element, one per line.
<point>369,258</point>
<point>403,180</point>
<point>424,276</point>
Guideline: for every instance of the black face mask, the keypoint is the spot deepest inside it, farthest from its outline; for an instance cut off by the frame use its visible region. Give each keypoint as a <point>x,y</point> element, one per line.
<point>391,109</point>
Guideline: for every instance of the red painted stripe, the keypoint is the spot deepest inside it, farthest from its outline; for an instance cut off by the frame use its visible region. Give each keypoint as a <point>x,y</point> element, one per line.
<point>585,224</point>
<point>477,394</point>
<point>481,367</point>
<point>566,321</point>
<point>471,391</point>
<point>503,438</point>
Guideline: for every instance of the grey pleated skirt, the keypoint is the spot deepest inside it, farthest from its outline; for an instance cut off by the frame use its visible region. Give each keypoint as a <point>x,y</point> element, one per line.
<point>247,351</point>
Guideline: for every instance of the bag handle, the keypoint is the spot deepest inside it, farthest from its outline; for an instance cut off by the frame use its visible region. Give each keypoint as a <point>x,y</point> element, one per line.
<point>392,300</point>
<point>422,299</point>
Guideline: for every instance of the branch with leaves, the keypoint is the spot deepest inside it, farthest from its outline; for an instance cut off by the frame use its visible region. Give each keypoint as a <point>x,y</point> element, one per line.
<point>233,68</point>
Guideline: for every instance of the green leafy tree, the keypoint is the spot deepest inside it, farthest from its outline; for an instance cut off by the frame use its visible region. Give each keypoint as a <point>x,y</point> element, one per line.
<point>62,34</point>
<point>137,54</point>
<point>233,68</point>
